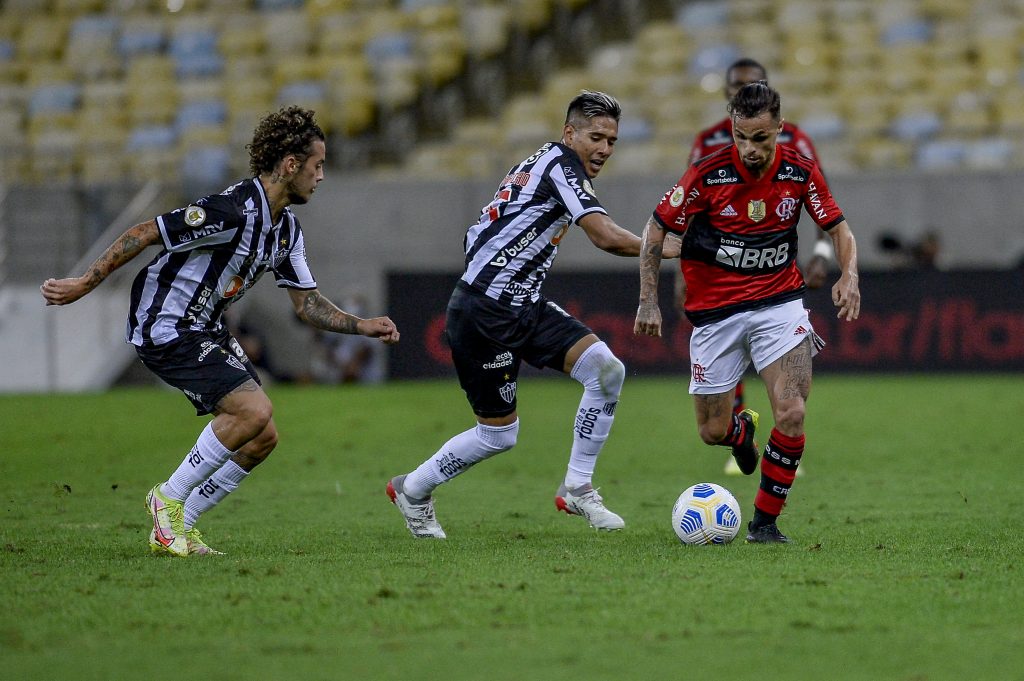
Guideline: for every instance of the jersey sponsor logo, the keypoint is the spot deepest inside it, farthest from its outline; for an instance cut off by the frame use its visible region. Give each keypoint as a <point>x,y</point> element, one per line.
<point>557,238</point>
<point>200,233</point>
<point>199,306</point>
<point>517,179</point>
<point>791,173</point>
<point>786,208</point>
<point>517,290</point>
<point>206,348</point>
<point>574,184</point>
<point>675,199</point>
<point>756,210</point>
<point>729,212</point>
<point>502,360</point>
<point>235,285</point>
<point>815,200</point>
<point>515,249</point>
<point>723,176</point>
<point>508,392</point>
<point>742,258</point>
<point>195,216</point>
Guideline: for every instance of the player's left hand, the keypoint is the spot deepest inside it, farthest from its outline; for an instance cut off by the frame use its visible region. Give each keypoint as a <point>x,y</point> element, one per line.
<point>379,327</point>
<point>816,272</point>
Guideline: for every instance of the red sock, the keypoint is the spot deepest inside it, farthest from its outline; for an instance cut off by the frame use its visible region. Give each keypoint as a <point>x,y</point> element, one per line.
<point>778,470</point>
<point>737,401</point>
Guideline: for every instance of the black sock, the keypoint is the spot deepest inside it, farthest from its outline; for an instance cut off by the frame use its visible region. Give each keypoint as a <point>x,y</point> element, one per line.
<point>761,518</point>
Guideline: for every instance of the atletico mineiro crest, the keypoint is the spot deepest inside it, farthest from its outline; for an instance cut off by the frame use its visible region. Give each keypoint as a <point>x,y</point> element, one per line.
<point>508,392</point>
<point>756,210</point>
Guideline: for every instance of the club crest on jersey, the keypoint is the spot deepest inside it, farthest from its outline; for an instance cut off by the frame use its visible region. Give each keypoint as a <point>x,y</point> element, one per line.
<point>756,210</point>
<point>194,216</point>
<point>786,208</point>
<point>589,188</point>
<point>508,392</point>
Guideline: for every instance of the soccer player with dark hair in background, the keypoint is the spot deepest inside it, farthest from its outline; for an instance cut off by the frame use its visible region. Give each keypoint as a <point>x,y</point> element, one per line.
<point>737,210</point>
<point>212,252</point>
<point>497,317</point>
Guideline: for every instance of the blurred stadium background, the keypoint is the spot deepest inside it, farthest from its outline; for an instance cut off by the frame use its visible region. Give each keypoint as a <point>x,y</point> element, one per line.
<point>112,111</point>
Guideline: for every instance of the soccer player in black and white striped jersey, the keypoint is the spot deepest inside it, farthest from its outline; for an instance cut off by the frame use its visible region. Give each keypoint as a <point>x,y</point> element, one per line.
<point>211,253</point>
<point>497,317</point>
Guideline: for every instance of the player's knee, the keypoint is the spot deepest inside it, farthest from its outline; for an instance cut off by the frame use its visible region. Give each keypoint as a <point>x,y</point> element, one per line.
<point>498,438</point>
<point>255,415</point>
<point>789,418</point>
<point>713,432</point>
<point>599,369</point>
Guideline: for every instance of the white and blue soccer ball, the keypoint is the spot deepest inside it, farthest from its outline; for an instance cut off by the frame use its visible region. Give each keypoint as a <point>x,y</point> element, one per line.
<point>706,513</point>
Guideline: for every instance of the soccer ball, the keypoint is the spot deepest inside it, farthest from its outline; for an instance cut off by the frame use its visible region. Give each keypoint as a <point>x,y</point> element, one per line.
<point>706,514</point>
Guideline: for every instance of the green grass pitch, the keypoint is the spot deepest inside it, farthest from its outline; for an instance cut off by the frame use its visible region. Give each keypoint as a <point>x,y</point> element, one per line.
<point>905,562</point>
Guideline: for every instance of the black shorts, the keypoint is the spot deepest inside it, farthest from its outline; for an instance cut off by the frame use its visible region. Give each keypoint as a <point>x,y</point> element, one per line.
<point>206,366</point>
<point>490,339</point>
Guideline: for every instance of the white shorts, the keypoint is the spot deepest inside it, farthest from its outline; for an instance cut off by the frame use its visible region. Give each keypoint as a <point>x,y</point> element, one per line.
<point>722,351</point>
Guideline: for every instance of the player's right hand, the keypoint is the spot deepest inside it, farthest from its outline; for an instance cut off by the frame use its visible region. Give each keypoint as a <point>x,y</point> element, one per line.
<point>63,291</point>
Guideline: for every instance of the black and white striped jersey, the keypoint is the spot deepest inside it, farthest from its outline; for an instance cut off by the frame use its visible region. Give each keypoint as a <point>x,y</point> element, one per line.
<point>510,249</point>
<point>214,250</point>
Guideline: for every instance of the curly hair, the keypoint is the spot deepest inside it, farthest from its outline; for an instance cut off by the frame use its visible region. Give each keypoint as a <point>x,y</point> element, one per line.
<point>290,131</point>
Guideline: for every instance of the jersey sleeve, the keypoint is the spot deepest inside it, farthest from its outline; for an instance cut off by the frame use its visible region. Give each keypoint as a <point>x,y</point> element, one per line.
<point>803,144</point>
<point>572,188</point>
<point>818,201</point>
<point>290,267</point>
<point>680,202</point>
<point>208,222</point>
<point>696,149</point>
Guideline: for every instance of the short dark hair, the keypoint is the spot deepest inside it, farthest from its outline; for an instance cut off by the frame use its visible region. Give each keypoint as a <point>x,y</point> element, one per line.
<point>753,99</point>
<point>290,131</point>
<point>747,63</point>
<point>590,104</point>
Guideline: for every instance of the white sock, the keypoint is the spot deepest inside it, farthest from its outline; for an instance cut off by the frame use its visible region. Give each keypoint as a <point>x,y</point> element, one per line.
<point>601,374</point>
<point>206,456</point>
<point>223,482</point>
<point>458,454</point>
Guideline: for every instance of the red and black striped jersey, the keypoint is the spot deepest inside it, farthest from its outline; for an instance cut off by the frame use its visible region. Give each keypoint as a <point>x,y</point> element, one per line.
<point>720,135</point>
<point>739,231</point>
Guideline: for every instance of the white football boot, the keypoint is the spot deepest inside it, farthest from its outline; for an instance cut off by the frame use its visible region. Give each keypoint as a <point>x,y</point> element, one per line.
<point>585,501</point>
<point>419,513</point>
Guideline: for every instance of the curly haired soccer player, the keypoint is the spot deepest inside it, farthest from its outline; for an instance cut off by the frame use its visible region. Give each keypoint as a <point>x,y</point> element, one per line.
<point>737,210</point>
<point>212,252</point>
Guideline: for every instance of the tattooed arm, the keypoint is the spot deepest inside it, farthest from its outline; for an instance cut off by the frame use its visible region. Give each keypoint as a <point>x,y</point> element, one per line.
<point>127,246</point>
<point>648,314</point>
<point>316,310</point>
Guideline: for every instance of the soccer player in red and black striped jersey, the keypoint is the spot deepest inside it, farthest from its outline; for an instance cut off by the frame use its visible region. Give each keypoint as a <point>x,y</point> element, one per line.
<point>719,135</point>
<point>737,210</point>
<point>211,253</point>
